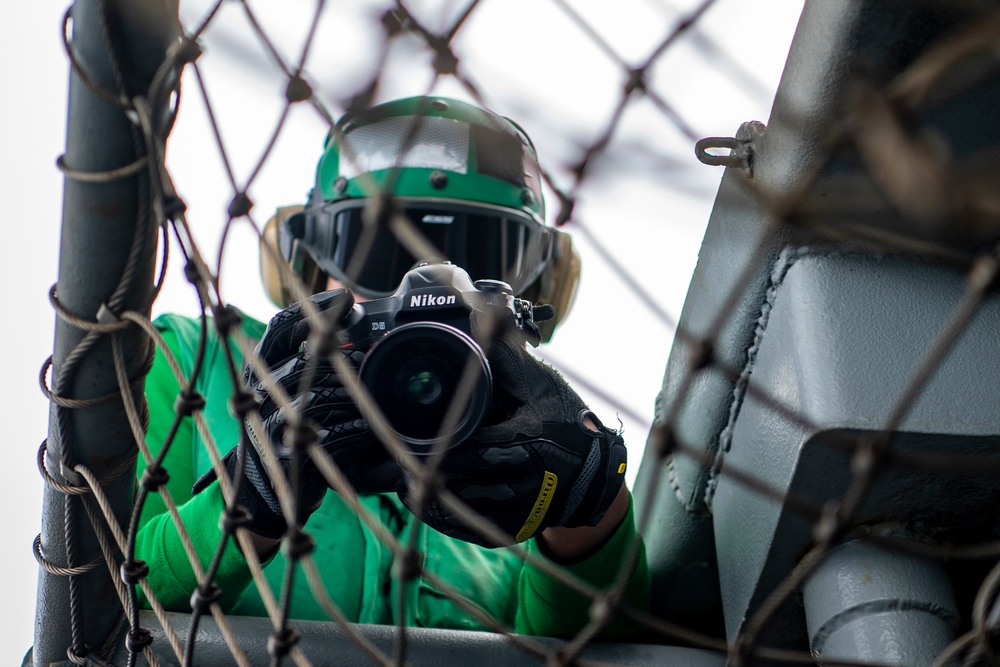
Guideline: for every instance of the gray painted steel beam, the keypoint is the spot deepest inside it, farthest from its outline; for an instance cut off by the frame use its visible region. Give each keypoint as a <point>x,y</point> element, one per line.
<point>326,644</point>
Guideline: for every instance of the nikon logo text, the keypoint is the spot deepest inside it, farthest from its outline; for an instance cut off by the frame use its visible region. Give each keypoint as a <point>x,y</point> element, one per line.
<point>422,300</point>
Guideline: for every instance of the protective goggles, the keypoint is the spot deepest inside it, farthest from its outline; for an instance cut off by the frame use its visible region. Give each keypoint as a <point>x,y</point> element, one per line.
<point>487,241</point>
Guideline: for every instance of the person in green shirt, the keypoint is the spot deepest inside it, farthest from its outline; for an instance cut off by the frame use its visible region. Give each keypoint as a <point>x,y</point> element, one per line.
<point>540,468</point>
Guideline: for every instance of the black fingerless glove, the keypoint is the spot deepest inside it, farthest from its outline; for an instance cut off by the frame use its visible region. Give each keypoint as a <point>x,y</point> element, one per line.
<point>537,466</point>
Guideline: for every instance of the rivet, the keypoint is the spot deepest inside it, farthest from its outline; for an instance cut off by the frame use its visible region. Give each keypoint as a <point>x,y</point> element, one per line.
<point>438,179</point>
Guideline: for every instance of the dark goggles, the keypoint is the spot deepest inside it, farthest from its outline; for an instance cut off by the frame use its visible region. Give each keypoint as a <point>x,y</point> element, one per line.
<point>488,242</point>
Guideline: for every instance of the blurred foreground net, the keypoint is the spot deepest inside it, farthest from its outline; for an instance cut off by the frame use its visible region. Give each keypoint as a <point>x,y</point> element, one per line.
<point>822,473</point>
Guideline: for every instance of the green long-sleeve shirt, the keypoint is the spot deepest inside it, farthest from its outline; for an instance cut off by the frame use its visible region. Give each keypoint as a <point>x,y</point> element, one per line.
<point>355,566</point>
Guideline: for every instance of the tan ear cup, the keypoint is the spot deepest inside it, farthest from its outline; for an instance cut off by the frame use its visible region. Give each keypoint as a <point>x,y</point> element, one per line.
<point>558,283</point>
<point>277,271</point>
<point>270,256</point>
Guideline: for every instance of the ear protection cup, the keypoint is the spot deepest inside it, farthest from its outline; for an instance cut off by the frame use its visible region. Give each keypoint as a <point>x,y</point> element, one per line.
<point>558,283</point>
<point>278,269</point>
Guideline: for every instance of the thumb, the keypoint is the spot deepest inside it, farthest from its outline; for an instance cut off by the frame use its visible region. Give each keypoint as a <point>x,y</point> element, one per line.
<point>524,422</point>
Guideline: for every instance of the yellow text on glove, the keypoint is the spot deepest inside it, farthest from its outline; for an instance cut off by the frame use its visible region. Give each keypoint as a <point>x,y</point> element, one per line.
<point>541,506</point>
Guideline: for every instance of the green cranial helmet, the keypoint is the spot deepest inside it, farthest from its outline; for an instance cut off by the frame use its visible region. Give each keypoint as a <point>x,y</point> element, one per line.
<point>466,179</point>
<point>432,148</point>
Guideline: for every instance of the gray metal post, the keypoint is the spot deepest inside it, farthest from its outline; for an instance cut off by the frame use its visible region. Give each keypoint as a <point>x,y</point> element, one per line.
<point>100,224</point>
<point>869,604</point>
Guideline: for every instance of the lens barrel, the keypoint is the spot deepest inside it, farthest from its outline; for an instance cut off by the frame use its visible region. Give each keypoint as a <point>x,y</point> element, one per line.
<point>415,374</point>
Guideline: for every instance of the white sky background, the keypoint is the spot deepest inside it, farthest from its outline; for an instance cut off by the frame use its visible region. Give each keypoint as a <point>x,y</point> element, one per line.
<point>647,202</point>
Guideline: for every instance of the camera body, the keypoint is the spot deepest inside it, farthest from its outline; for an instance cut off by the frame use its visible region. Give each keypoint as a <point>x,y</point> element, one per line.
<point>425,369</point>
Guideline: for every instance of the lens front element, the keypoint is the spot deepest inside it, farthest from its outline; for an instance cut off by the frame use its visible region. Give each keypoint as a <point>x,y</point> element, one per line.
<point>424,387</point>
<point>424,374</point>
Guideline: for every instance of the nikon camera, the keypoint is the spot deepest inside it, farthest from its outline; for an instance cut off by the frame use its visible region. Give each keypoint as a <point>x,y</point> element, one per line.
<point>419,344</point>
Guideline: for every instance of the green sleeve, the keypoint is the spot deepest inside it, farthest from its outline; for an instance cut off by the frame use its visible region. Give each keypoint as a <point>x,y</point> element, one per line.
<point>157,542</point>
<point>547,607</point>
<point>161,392</point>
<point>170,573</point>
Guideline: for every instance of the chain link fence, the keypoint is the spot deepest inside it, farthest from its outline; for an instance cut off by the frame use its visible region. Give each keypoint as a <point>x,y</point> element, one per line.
<point>870,196</point>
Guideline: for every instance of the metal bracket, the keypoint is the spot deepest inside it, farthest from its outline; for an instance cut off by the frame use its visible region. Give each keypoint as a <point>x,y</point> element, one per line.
<point>741,148</point>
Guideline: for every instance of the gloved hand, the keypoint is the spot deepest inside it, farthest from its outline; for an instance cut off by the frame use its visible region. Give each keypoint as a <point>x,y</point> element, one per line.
<point>537,465</point>
<point>325,410</point>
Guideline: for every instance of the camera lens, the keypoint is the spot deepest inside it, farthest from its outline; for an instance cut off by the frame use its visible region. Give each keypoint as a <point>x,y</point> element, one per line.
<point>415,374</point>
<point>424,387</point>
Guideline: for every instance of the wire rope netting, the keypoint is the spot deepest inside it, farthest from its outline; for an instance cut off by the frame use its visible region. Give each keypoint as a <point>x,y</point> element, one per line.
<point>828,399</point>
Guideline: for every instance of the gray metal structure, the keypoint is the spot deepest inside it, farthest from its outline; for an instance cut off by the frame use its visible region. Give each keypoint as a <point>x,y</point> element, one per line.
<point>817,340</point>
<point>869,603</point>
<point>327,645</point>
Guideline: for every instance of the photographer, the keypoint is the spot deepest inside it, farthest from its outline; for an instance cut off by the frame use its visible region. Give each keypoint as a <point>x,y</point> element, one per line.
<point>539,467</point>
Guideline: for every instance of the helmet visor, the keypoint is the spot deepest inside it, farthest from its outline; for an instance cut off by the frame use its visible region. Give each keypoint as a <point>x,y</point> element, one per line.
<point>488,242</point>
